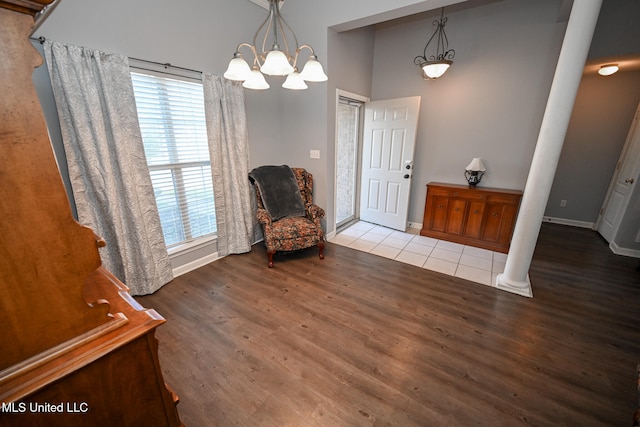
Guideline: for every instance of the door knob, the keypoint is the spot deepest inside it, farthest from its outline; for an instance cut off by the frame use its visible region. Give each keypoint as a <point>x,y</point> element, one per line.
<point>407,176</point>
<point>629,180</point>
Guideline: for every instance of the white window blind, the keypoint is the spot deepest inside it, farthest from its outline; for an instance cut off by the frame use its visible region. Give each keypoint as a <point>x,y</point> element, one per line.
<point>172,122</point>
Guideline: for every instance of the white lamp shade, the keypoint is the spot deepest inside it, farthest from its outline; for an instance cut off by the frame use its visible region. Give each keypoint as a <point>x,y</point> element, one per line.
<point>238,69</point>
<point>436,69</point>
<point>294,81</point>
<point>256,81</point>
<point>475,165</point>
<point>276,64</point>
<point>313,72</point>
<point>607,70</point>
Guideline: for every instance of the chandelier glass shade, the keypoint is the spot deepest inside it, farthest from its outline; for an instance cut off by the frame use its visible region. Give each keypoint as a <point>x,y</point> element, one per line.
<point>275,52</point>
<point>255,80</point>
<point>295,81</point>
<point>437,58</point>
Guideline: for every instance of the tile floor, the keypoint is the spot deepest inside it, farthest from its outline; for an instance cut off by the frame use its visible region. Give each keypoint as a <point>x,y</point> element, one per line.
<point>467,262</point>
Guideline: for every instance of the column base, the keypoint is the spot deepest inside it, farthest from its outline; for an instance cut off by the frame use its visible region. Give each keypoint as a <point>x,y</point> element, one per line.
<point>513,286</point>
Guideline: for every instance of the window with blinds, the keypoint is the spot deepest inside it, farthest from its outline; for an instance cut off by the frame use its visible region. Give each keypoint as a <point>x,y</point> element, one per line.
<point>172,122</point>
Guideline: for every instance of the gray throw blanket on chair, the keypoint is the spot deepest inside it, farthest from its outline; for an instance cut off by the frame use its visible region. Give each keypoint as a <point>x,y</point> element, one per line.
<point>279,191</point>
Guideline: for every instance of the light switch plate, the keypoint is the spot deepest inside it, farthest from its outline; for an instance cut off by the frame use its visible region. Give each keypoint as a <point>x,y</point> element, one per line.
<point>314,154</point>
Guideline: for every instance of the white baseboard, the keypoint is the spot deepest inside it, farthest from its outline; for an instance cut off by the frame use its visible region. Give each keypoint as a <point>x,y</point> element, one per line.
<point>190,266</point>
<point>571,222</point>
<point>634,253</point>
<point>414,225</point>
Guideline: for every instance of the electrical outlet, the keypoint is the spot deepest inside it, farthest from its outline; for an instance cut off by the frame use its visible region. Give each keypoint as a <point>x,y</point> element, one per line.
<point>563,203</point>
<point>314,154</point>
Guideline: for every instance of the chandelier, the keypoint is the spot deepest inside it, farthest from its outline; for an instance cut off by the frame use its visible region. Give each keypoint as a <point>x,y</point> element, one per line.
<point>275,55</point>
<point>435,64</point>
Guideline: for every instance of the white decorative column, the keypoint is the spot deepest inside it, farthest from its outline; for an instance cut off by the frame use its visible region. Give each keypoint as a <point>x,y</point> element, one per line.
<point>573,55</point>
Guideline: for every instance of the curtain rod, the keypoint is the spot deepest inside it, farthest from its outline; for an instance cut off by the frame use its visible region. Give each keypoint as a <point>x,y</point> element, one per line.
<point>166,65</point>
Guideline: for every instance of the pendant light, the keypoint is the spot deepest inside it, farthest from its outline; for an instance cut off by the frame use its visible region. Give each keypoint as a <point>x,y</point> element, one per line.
<point>435,63</point>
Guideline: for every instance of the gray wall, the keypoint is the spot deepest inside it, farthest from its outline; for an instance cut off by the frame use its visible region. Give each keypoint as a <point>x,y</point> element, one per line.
<point>599,126</point>
<point>308,122</point>
<point>600,121</point>
<point>42,83</point>
<point>351,69</point>
<point>283,125</point>
<point>190,33</point>
<point>490,102</point>
<point>617,31</point>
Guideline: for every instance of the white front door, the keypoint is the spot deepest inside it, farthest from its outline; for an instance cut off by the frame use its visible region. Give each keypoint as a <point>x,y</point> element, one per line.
<point>387,160</point>
<point>621,187</point>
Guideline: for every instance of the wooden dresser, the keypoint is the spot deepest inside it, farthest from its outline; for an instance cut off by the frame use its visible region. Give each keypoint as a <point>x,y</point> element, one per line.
<point>77,350</point>
<point>475,216</point>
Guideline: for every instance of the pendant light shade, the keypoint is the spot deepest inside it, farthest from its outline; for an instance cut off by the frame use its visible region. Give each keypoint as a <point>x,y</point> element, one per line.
<point>255,80</point>
<point>276,64</point>
<point>294,81</point>
<point>238,69</point>
<point>312,71</point>
<point>280,60</point>
<point>433,70</point>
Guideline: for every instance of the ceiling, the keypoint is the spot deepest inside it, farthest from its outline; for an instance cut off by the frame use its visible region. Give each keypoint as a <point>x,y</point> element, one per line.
<point>265,3</point>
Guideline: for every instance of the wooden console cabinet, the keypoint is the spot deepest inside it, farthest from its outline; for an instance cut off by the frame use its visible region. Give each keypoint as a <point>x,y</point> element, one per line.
<point>480,217</point>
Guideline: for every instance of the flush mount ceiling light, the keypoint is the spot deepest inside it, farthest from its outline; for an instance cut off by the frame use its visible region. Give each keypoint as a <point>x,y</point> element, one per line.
<point>435,64</point>
<point>275,56</point>
<point>607,70</point>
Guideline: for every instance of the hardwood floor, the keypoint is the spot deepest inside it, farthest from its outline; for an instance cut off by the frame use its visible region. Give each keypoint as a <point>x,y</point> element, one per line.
<point>360,340</point>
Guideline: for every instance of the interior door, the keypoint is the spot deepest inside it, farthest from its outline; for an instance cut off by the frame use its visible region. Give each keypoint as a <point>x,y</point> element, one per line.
<point>622,184</point>
<point>389,138</point>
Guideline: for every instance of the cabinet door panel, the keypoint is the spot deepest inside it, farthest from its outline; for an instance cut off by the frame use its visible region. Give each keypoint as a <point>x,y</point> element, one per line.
<point>473,228</point>
<point>439,221</point>
<point>456,216</point>
<point>507,222</point>
<point>493,222</point>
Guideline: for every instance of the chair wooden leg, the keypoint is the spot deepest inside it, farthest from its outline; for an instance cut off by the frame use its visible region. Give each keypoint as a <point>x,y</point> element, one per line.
<point>270,254</point>
<point>321,246</point>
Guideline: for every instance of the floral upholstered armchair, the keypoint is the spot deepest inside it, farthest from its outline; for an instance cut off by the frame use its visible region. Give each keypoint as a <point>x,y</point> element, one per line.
<point>293,231</point>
